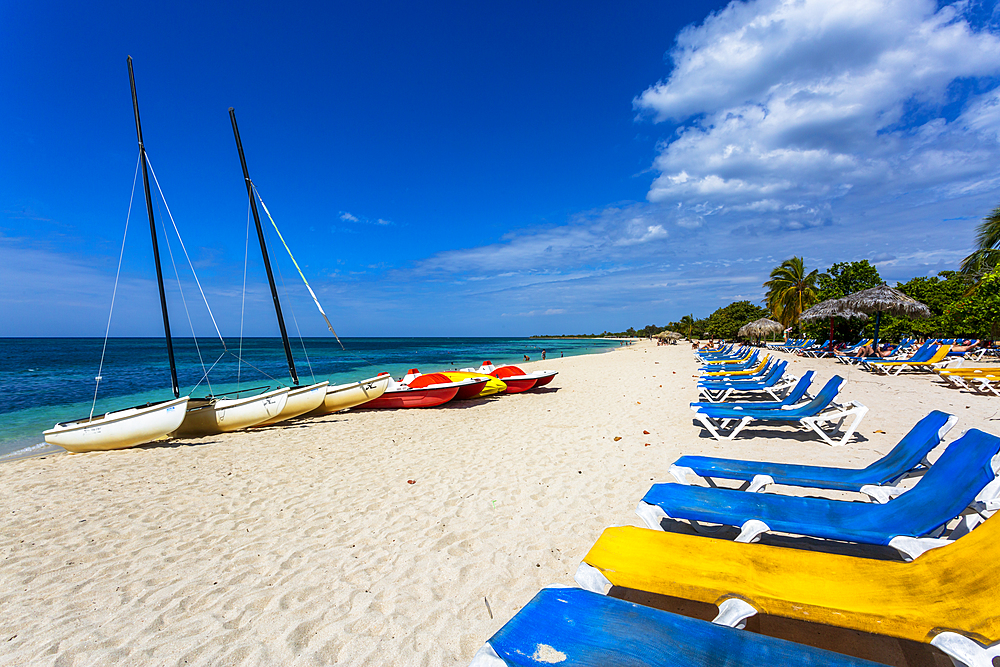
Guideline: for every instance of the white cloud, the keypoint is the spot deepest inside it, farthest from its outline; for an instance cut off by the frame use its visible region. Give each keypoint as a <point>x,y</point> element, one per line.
<point>805,101</point>
<point>348,217</point>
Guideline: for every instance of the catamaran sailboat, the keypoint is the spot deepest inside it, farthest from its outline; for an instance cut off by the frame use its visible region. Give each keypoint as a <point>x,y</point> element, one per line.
<point>315,399</point>
<point>144,423</point>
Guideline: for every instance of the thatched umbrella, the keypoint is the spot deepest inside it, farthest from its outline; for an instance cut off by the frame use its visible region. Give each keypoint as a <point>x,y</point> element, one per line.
<point>672,334</point>
<point>760,328</point>
<point>885,299</point>
<point>832,308</point>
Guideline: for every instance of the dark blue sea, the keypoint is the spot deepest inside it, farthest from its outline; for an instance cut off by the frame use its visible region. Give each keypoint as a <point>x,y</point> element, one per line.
<point>50,380</point>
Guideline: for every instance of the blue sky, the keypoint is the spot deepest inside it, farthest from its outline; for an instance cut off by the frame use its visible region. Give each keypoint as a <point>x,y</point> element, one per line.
<point>463,169</point>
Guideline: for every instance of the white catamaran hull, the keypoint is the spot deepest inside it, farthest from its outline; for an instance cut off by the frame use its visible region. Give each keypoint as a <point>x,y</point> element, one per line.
<point>352,395</point>
<point>120,429</point>
<point>300,401</point>
<point>220,415</point>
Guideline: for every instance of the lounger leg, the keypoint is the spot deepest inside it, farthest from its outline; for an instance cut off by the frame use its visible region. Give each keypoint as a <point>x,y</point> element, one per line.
<point>734,613</point>
<point>965,652</point>
<point>707,423</point>
<point>591,579</point>
<point>739,427</point>
<point>859,412</point>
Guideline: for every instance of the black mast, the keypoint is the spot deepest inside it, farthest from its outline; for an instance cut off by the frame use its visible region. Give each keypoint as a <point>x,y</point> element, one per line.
<point>263,250</point>
<point>152,232</point>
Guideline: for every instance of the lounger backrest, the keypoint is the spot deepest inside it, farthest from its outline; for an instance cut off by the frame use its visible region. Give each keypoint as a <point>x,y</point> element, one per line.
<point>923,353</point>
<point>950,485</point>
<point>823,399</point>
<point>925,435</point>
<point>940,353</point>
<point>800,389</point>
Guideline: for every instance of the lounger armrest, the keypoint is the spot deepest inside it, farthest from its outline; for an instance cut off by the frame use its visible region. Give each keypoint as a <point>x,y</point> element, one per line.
<point>680,473</point>
<point>882,494</point>
<point>965,651</point>
<point>912,547</point>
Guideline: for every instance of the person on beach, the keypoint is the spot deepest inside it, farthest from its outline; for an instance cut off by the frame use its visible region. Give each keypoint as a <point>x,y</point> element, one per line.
<point>527,358</point>
<point>868,351</point>
<point>543,355</point>
<point>960,349</point>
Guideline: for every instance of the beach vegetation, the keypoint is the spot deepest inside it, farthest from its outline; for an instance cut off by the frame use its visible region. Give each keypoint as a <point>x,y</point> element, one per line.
<point>726,321</point>
<point>986,255</point>
<point>978,312</point>
<point>791,290</point>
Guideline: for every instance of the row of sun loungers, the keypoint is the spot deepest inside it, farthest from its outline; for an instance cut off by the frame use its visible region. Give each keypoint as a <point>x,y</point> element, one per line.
<point>943,594</point>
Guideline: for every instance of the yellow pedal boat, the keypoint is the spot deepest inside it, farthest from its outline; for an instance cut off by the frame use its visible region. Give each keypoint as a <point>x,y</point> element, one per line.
<point>493,385</point>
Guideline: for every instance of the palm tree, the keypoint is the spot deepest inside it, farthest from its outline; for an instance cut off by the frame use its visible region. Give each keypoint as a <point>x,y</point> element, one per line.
<point>688,321</point>
<point>790,290</point>
<point>987,253</point>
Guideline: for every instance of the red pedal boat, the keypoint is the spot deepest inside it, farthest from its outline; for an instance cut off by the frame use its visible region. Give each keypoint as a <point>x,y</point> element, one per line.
<point>398,395</point>
<point>467,388</point>
<point>517,380</point>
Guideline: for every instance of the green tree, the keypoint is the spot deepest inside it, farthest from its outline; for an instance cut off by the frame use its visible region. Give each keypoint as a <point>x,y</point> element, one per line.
<point>725,322</point>
<point>978,313</point>
<point>687,324</point>
<point>838,281</point>
<point>845,278</point>
<point>938,293</point>
<point>986,256</point>
<point>790,290</point>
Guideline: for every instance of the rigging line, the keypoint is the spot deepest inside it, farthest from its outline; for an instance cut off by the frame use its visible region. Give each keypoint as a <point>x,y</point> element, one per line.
<point>302,275</point>
<point>184,248</point>
<point>295,321</point>
<point>210,369</point>
<point>114,293</point>
<point>262,372</point>
<point>246,256</point>
<point>180,288</point>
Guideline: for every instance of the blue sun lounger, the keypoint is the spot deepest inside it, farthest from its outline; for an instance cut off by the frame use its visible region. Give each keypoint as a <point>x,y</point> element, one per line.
<point>907,459</point>
<point>775,383</point>
<point>820,410</point>
<point>796,394</point>
<point>966,473</point>
<point>730,366</point>
<point>573,627</point>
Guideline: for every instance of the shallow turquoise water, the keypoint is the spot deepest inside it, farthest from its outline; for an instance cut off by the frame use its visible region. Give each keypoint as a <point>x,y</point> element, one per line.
<point>49,380</point>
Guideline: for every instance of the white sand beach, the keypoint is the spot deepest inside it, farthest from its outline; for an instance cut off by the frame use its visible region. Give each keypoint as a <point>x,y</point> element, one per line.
<point>306,544</point>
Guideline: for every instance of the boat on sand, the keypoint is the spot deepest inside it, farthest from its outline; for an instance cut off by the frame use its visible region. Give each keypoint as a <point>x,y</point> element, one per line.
<point>469,387</point>
<point>353,394</point>
<point>119,429</point>
<point>144,423</point>
<point>515,378</point>
<point>211,415</point>
<point>399,395</point>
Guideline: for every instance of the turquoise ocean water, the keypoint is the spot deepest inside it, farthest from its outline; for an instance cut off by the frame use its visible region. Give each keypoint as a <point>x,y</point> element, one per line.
<point>49,380</point>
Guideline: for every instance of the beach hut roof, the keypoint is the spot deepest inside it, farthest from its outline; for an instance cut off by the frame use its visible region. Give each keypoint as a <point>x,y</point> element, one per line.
<point>761,327</point>
<point>832,308</point>
<point>885,299</point>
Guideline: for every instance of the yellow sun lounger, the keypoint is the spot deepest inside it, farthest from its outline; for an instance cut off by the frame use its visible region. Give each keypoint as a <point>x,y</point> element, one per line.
<point>938,359</point>
<point>948,596</point>
<point>983,379</point>
<point>741,360</point>
<point>749,371</point>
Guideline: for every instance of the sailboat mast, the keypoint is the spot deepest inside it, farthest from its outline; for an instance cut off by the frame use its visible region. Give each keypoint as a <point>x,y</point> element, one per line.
<point>263,250</point>
<point>152,232</point>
